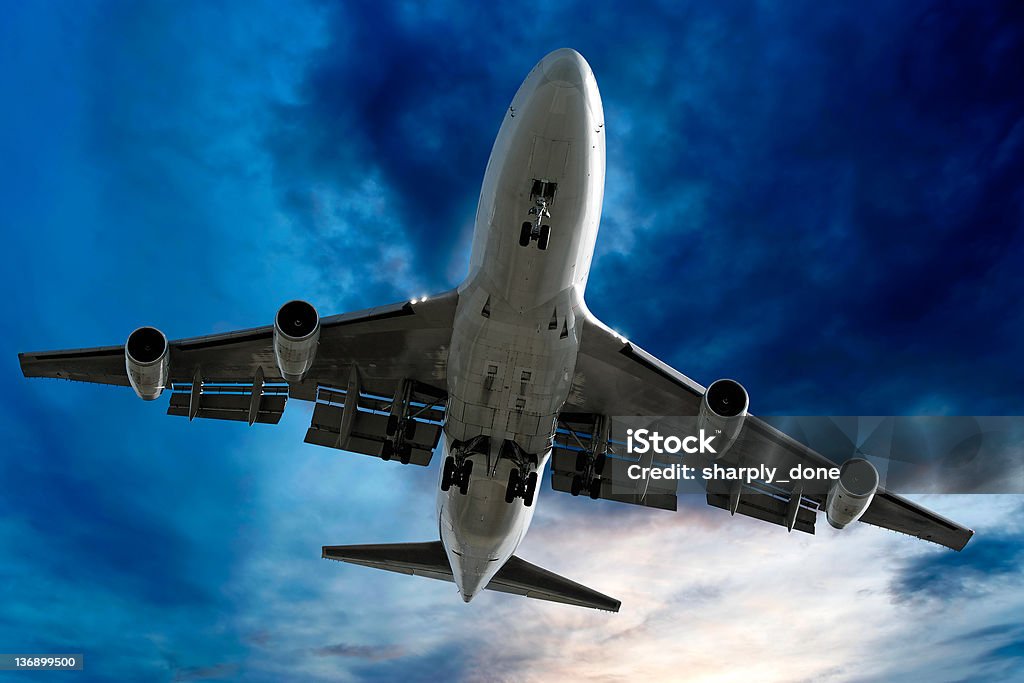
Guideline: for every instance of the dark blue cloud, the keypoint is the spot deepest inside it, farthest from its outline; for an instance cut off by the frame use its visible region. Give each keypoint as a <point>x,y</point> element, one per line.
<point>945,575</point>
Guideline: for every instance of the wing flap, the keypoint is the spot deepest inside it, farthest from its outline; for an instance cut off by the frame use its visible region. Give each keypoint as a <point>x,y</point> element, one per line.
<point>224,402</point>
<point>766,508</point>
<point>368,430</point>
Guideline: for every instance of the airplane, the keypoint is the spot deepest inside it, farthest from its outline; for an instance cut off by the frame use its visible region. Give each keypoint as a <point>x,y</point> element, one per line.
<point>510,373</point>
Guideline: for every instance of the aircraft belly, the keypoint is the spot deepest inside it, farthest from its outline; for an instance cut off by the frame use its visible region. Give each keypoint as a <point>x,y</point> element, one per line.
<point>515,336</point>
<point>509,374</point>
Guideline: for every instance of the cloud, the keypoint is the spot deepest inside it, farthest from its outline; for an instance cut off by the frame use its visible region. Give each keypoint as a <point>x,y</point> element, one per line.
<point>368,652</point>
<point>206,673</point>
<point>990,564</point>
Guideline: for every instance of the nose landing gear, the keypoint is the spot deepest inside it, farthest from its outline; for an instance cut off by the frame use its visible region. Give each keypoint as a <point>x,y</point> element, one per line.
<point>530,232</point>
<point>542,194</point>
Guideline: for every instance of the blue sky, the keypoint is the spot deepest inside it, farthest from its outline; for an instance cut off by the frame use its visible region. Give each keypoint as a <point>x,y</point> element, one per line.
<point>823,202</point>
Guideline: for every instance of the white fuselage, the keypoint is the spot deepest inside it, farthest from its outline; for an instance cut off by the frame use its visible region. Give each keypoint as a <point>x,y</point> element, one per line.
<point>515,337</point>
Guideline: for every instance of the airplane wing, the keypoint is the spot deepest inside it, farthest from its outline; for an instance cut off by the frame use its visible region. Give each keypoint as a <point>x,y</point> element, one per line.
<point>373,355</point>
<point>614,377</point>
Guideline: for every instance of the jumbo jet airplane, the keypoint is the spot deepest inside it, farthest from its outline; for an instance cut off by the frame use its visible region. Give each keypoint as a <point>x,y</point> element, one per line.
<point>510,372</point>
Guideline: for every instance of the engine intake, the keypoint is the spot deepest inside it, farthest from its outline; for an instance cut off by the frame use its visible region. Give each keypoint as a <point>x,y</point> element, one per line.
<point>723,408</point>
<point>147,361</point>
<point>296,338</point>
<point>852,493</point>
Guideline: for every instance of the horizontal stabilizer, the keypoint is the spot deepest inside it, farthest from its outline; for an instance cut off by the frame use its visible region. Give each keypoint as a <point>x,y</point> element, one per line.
<point>518,577</point>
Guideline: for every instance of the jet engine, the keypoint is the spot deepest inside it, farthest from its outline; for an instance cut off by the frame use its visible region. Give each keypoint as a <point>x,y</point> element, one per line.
<point>852,493</point>
<point>723,408</point>
<point>147,361</point>
<point>296,337</point>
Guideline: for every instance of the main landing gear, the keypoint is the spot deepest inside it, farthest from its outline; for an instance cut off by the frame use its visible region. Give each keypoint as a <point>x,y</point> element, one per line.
<point>456,474</point>
<point>520,486</point>
<point>588,475</point>
<point>522,480</point>
<point>400,435</point>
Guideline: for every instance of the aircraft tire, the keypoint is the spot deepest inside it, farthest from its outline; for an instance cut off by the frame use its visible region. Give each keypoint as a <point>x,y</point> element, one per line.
<point>581,461</point>
<point>446,473</point>
<point>513,484</point>
<point>531,489</point>
<point>466,469</point>
<point>524,234</point>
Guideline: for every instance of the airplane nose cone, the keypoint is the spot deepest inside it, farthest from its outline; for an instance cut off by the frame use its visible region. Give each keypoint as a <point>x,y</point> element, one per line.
<point>565,68</point>
<point>470,586</point>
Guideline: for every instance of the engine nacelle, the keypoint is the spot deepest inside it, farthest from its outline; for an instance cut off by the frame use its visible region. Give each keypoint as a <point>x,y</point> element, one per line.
<point>296,338</point>
<point>147,361</point>
<point>723,408</point>
<point>852,493</point>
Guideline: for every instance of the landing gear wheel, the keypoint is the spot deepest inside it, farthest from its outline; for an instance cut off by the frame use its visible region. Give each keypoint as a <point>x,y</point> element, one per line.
<point>387,450</point>
<point>595,488</point>
<point>545,235</point>
<point>392,425</point>
<point>531,489</point>
<point>576,487</point>
<point>599,463</point>
<point>447,473</point>
<point>581,461</point>
<point>410,429</point>
<point>405,453</point>
<point>524,234</point>
<point>466,469</point>
<point>513,485</point>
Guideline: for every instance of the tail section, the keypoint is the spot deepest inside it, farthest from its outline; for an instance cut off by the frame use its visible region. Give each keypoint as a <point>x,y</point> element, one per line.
<point>518,577</point>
